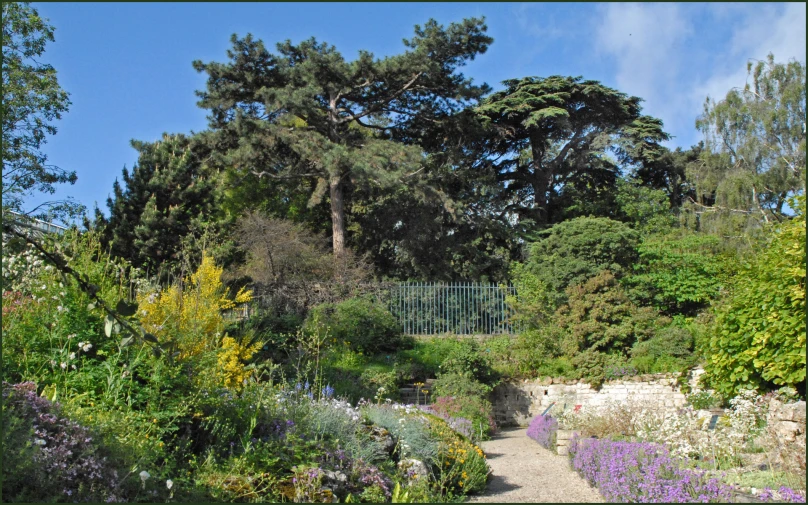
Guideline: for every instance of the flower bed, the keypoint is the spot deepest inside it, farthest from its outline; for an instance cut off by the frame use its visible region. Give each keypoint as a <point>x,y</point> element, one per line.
<point>642,472</point>
<point>543,430</point>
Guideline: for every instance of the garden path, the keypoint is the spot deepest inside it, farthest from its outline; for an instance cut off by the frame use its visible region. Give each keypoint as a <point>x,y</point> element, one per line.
<point>525,472</point>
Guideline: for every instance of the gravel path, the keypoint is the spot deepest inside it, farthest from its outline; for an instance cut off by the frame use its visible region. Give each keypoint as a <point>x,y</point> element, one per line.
<point>525,472</point>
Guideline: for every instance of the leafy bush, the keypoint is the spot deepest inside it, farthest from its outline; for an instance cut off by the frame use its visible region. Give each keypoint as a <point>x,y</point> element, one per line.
<point>364,324</point>
<point>600,317</point>
<point>573,251</point>
<point>680,273</point>
<point>460,385</point>
<point>642,472</point>
<point>467,359</point>
<point>543,430</point>
<point>759,336</point>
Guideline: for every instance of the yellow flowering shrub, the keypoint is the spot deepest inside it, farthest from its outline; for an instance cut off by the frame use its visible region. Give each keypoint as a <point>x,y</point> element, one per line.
<point>190,314</point>
<point>232,357</point>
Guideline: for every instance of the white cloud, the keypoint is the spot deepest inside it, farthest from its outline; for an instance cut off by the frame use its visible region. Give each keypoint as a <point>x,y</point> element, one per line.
<point>646,40</point>
<point>660,56</point>
<point>776,29</point>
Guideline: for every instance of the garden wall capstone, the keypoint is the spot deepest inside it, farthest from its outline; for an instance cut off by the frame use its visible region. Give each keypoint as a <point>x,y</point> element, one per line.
<point>516,403</point>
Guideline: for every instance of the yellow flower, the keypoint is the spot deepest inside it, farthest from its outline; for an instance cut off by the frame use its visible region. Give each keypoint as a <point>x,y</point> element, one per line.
<point>460,483</point>
<point>154,420</point>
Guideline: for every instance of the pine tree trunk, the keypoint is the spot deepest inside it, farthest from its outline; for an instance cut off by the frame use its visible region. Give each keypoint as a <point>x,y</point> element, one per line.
<point>337,216</point>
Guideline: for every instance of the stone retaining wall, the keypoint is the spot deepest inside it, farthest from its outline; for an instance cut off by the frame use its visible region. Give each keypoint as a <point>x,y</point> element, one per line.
<point>516,403</point>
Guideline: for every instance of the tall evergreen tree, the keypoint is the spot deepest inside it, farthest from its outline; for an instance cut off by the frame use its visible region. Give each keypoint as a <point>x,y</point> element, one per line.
<point>556,132</point>
<point>168,195</point>
<point>306,112</point>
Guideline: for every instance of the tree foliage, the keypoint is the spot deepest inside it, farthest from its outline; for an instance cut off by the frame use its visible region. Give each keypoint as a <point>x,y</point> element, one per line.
<point>32,101</point>
<point>599,316</point>
<point>680,273</point>
<point>557,131</point>
<point>571,252</point>
<point>306,112</point>
<point>754,156</point>
<point>759,334</point>
<point>169,195</point>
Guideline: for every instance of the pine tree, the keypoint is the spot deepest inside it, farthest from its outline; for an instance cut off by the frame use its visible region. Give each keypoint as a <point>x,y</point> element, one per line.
<point>169,195</point>
<point>306,112</point>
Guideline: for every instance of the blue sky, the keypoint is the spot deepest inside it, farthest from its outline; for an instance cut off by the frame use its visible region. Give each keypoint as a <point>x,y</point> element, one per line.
<point>127,66</point>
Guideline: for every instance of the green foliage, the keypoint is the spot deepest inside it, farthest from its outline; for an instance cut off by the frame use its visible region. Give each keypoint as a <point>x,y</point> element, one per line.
<point>590,365</point>
<point>341,121</point>
<point>759,336</point>
<point>648,210</point>
<point>361,322</point>
<point>466,359</point>
<point>460,385</point>
<point>680,274</point>
<point>571,252</point>
<point>560,128</point>
<point>599,316</point>
<point>671,341</point>
<point>754,155</point>
<point>169,195</point>
<point>705,400</point>
<point>32,101</point>
<point>534,303</point>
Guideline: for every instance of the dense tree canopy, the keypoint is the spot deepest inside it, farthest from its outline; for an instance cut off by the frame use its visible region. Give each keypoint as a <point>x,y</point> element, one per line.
<point>169,195</point>
<point>306,112</point>
<point>32,101</point>
<point>557,131</point>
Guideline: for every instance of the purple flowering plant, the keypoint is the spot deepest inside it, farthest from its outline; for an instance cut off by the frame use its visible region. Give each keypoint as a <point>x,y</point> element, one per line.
<point>642,472</point>
<point>543,430</point>
<point>62,461</point>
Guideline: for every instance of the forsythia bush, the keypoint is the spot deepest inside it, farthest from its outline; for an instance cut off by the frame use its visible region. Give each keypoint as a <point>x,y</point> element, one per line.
<point>232,356</point>
<point>190,315</point>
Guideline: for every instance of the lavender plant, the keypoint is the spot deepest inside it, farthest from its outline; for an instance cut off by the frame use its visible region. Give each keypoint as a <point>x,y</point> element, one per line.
<point>543,430</point>
<point>642,472</point>
<point>66,463</point>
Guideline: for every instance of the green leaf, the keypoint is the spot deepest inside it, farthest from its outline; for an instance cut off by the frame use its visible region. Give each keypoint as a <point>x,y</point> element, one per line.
<point>125,342</point>
<point>151,338</point>
<point>126,309</point>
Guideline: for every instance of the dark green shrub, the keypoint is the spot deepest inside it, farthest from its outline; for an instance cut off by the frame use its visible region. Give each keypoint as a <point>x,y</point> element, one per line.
<point>671,341</point>
<point>467,359</point>
<point>600,317</point>
<point>590,366</point>
<point>363,323</point>
<point>573,251</point>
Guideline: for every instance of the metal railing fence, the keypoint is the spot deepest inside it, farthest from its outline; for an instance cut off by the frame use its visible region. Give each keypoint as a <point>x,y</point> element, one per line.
<point>468,308</point>
<point>424,308</point>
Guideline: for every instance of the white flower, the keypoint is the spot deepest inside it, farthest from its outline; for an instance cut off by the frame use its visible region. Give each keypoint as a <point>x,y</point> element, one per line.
<point>87,347</point>
<point>144,475</point>
<point>59,308</point>
<point>39,441</point>
<point>63,365</point>
<point>169,483</point>
<point>72,355</point>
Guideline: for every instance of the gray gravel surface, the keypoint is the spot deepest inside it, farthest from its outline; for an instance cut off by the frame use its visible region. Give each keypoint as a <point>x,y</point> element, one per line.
<point>525,472</point>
